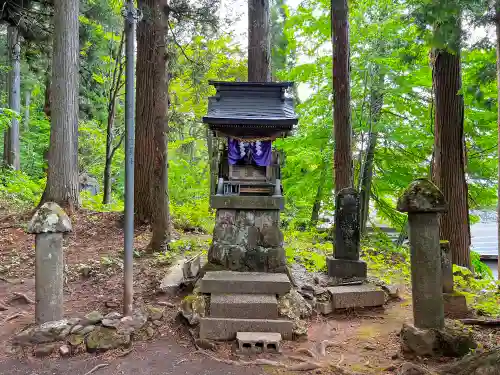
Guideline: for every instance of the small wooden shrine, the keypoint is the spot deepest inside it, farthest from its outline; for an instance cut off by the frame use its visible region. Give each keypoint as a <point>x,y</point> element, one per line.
<point>245,118</point>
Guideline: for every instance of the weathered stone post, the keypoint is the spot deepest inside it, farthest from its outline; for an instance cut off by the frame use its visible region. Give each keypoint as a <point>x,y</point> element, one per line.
<point>49,224</point>
<point>446,267</point>
<point>345,263</point>
<point>455,304</point>
<point>423,201</point>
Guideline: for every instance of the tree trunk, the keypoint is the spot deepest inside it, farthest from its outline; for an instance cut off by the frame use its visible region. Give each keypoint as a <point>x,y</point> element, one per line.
<point>13,150</point>
<point>27,103</point>
<point>151,174</point>
<point>449,167</point>
<point>116,84</point>
<point>341,95</point>
<point>376,102</point>
<point>259,41</point>
<point>62,176</point>
<point>497,25</point>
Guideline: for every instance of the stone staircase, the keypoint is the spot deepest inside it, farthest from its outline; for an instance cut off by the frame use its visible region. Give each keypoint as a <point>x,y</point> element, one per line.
<point>243,302</point>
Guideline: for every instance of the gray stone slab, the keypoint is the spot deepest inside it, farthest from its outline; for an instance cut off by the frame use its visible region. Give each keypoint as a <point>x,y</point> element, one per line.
<point>256,342</point>
<point>227,282</point>
<point>227,328</point>
<point>364,295</point>
<point>173,279</point>
<point>324,308</point>
<point>455,306</point>
<point>244,306</point>
<point>345,268</point>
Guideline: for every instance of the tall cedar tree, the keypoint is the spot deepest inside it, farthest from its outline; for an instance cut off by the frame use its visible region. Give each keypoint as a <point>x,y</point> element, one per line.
<point>151,154</point>
<point>259,41</point>
<point>449,151</point>
<point>62,176</point>
<point>341,95</point>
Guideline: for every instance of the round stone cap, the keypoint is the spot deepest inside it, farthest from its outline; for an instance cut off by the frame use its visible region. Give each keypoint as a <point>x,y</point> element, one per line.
<point>422,196</point>
<point>50,218</point>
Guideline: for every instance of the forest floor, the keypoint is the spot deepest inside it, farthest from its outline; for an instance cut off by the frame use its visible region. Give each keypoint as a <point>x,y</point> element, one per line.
<point>364,342</point>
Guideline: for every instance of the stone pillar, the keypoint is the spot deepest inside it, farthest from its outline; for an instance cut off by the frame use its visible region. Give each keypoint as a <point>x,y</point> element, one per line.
<point>423,201</point>
<point>345,263</point>
<point>446,267</point>
<point>455,304</point>
<point>49,224</point>
<point>247,240</point>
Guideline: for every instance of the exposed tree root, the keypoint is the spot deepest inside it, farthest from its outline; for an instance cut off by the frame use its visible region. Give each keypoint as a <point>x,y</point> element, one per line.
<point>476,364</point>
<point>11,317</point>
<point>323,345</point>
<point>307,352</point>
<point>481,322</point>
<point>98,367</point>
<point>24,297</point>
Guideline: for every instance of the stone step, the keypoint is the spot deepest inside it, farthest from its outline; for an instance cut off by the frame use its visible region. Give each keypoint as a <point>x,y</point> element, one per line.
<point>226,328</point>
<point>257,342</point>
<point>348,296</point>
<point>228,282</point>
<point>244,306</point>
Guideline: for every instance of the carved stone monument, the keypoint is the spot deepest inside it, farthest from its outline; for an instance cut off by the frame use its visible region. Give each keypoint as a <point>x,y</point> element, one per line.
<point>243,119</point>
<point>423,201</point>
<point>345,263</point>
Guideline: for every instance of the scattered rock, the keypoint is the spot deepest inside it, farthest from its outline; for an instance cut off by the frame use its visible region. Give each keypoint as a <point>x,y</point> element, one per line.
<point>391,291</point>
<point>75,340</point>
<point>112,320</point>
<point>112,304</point>
<point>167,304</point>
<point>64,351</point>
<point>294,306</point>
<point>411,369</point>
<point>86,329</point>
<point>77,328</point>
<point>93,317</point>
<point>155,313</point>
<point>193,308</point>
<point>45,333</point>
<point>299,328</point>
<point>102,339</point>
<point>150,332</point>
<point>450,341</point>
<point>130,324</point>
<point>205,344</point>
<point>157,323</point>
<point>44,350</point>
<point>173,280</point>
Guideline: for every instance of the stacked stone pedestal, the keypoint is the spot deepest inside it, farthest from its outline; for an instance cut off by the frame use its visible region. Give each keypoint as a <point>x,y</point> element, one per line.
<point>247,240</point>
<point>345,269</point>
<point>243,302</point>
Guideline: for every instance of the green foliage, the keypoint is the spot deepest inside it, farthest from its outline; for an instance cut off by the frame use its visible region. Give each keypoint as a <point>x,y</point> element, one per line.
<point>19,191</point>
<point>482,294</point>
<point>307,248</point>
<point>94,203</point>
<point>480,269</point>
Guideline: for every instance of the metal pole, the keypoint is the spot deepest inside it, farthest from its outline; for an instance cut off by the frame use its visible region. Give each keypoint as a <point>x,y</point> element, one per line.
<point>128,275</point>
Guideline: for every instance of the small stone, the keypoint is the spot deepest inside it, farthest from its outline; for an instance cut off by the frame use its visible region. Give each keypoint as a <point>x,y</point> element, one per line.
<point>76,328</point>
<point>75,340</point>
<point>150,332</point>
<point>102,339</point>
<point>392,291</point>
<point>130,324</point>
<point>421,342</point>
<point>93,317</point>
<point>369,347</point>
<point>155,313</point>
<point>112,304</point>
<point>193,308</point>
<point>157,323</point>
<point>44,350</point>
<point>167,304</point>
<point>86,329</point>
<point>411,369</point>
<point>299,328</point>
<point>113,315</point>
<point>205,344</point>
<point>64,351</point>
<point>294,306</point>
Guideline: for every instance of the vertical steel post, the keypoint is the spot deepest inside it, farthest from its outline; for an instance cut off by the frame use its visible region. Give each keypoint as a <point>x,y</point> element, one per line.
<point>128,276</point>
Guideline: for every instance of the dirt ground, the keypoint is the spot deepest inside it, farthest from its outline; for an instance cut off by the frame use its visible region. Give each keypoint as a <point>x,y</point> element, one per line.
<point>364,342</point>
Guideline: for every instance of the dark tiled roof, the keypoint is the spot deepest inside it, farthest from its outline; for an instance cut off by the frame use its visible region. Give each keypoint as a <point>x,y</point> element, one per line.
<point>262,104</point>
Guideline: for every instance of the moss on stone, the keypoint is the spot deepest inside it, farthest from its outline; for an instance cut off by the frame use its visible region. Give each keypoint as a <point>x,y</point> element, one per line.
<point>422,196</point>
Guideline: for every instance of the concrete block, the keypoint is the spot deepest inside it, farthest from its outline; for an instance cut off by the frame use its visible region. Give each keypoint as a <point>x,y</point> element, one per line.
<point>191,267</point>
<point>324,308</point>
<point>173,279</point>
<point>257,342</point>
<point>344,268</point>
<point>364,295</point>
<point>455,306</point>
<point>227,282</point>
<point>226,328</point>
<point>244,306</point>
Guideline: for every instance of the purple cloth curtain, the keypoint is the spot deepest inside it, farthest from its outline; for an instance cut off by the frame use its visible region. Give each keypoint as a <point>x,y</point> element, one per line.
<point>259,152</point>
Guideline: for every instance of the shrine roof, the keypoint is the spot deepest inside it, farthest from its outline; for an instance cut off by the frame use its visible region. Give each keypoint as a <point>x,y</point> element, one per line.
<point>261,104</point>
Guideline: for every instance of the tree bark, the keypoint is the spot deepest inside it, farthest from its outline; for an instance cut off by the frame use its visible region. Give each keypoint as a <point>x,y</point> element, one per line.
<point>449,166</point>
<point>151,155</point>
<point>341,95</point>
<point>116,84</point>
<point>259,41</point>
<point>62,176</point>
<point>376,102</point>
<point>27,103</point>
<point>13,150</point>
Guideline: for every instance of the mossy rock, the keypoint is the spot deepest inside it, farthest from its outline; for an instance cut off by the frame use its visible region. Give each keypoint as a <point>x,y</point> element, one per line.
<point>102,339</point>
<point>155,313</point>
<point>147,332</point>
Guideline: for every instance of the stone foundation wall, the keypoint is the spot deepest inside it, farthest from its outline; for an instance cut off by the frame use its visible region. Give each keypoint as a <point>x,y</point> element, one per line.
<point>248,240</point>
